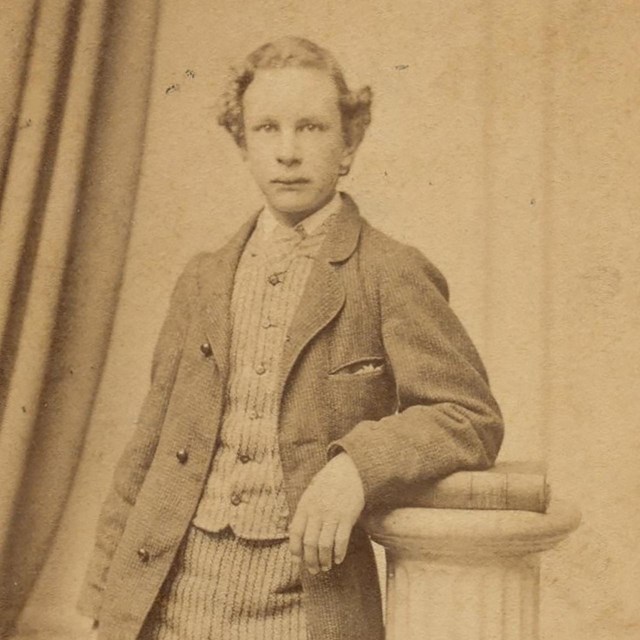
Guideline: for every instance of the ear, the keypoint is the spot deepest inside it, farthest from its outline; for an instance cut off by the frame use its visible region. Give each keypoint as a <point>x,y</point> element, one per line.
<point>348,155</point>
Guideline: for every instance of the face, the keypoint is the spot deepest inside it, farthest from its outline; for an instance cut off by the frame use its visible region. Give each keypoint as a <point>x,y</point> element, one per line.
<point>294,141</point>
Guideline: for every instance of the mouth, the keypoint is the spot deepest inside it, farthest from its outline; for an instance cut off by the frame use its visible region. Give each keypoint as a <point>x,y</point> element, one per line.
<point>291,182</point>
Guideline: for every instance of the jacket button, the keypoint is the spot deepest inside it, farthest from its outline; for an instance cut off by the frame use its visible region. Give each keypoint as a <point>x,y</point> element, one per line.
<point>182,455</point>
<point>274,279</point>
<point>235,499</point>
<point>143,554</point>
<point>244,458</point>
<point>206,349</point>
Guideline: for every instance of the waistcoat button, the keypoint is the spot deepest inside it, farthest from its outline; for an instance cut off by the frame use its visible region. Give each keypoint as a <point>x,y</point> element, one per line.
<point>143,554</point>
<point>235,499</point>
<point>244,458</point>
<point>206,349</point>
<point>182,455</point>
<point>260,370</point>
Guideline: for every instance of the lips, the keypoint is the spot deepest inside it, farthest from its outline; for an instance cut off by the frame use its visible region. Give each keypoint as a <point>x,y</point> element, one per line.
<point>290,182</point>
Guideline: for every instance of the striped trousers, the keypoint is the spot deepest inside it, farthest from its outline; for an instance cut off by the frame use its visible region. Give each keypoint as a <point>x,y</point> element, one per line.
<point>221,587</point>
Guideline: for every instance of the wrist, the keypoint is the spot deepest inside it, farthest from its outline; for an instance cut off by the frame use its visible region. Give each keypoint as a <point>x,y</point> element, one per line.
<point>349,468</point>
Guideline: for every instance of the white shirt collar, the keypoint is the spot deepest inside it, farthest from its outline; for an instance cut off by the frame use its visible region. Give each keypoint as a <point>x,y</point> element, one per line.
<point>268,222</point>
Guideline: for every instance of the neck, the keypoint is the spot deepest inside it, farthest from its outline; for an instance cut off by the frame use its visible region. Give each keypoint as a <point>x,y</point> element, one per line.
<point>291,219</point>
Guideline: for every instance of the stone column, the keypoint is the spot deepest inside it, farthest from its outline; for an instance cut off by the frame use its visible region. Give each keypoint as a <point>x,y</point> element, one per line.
<point>466,575</point>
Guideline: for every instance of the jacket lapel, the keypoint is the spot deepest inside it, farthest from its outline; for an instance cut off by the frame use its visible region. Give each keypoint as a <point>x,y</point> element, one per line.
<point>324,295</point>
<point>216,288</point>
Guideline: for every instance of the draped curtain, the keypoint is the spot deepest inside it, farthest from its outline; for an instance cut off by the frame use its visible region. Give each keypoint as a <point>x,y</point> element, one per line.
<point>76,79</point>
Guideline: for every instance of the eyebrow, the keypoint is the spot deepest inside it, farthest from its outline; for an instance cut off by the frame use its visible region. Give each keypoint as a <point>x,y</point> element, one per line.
<point>302,121</point>
<point>313,120</point>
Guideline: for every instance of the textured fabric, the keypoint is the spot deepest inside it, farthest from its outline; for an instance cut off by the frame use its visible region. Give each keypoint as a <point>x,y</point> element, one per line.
<point>424,411</point>
<point>225,588</point>
<point>245,489</point>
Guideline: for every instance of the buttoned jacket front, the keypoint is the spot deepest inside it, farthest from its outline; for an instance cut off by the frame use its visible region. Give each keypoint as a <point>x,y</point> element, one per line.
<point>375,363</point>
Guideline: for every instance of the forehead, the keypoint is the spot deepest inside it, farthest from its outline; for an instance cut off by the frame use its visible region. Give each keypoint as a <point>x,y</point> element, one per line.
<point>291,92</point>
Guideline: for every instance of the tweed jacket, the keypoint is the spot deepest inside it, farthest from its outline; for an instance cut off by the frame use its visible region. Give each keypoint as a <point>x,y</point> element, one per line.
<point>375,363</point>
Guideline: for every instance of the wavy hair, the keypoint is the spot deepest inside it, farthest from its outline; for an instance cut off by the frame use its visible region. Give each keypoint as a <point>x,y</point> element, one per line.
<point>355,106</point>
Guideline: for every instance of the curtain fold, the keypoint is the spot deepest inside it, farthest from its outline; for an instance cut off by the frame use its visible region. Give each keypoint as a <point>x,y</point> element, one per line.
<point>71,139</point>
<point>16,36</point>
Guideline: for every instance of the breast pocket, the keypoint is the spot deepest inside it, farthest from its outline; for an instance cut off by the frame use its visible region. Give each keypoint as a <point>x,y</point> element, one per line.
<point>361,388</point>
<point>365,366</point>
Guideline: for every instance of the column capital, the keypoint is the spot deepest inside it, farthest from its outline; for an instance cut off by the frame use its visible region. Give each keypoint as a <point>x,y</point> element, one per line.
<point>426,533</point>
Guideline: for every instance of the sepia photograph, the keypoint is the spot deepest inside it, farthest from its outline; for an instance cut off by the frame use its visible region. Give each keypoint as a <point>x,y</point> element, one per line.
<point>319,320</point>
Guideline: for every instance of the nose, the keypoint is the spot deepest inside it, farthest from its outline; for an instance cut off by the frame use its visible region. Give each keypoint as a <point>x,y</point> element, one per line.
<point>288,153</point>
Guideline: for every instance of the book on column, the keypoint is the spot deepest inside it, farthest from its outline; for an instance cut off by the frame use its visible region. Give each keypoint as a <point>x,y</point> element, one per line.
<point>520,486</point>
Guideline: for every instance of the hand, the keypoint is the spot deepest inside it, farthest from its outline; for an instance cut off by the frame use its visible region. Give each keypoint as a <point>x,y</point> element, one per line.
<point>328,509</point>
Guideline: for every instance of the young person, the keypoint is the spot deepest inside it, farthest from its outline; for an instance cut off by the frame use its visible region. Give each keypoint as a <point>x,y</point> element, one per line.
<point>309,369</point>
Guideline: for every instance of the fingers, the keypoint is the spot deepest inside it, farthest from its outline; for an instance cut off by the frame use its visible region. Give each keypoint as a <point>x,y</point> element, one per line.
<point>296,533</point>
<point>319,544</point>
<point>310,544</point>
<point>342,535</point>
<point>326,542</point>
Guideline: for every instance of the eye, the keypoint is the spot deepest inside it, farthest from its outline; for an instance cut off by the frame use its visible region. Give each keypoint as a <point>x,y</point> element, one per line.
<point>267,127</point>
<point>312,126</point>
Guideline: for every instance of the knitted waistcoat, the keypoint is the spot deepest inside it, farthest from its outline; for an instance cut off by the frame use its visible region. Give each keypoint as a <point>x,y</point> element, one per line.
<point>245,489</point>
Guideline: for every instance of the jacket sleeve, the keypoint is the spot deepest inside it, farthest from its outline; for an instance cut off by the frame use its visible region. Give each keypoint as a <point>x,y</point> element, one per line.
<point>447,418</point>
<point>138,454</point>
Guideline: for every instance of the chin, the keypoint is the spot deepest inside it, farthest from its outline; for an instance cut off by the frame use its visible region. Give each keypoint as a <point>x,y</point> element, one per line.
<point>294,203</point>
